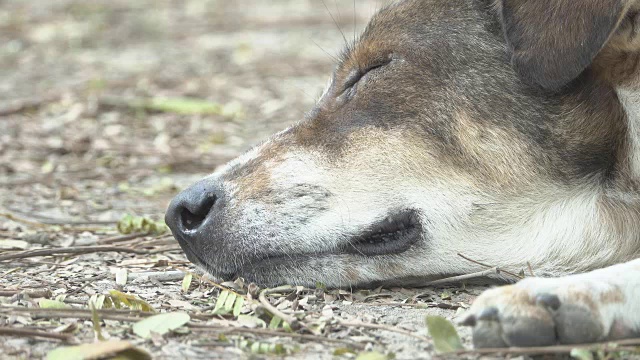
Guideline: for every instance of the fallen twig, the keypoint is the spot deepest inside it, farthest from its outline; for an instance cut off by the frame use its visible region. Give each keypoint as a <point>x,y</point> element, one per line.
<point>269,332</point>
<point>46,220</point>
<point>474,275</point>
<point>49,224</point>
<point>26,332</point>
<point>164,249</point>
<point>555,349</point>
<point>489,266</point>
<point>384,327</point>
<point>88,281</point>
<point>156,275</point>
<point>530,269</point>
<point>419,306</point>
<point>15,218</point>
<point>32,293</point>
<point>212,283</point>
<point>22,105</point>
<point>70,250</point>
<point>134,316</point>
<point>106,314</point>
<point>292,321</point>
<point>121,238</point>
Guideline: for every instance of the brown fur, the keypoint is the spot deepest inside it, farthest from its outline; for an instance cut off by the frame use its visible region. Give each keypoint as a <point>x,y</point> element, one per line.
<point>614,295</point>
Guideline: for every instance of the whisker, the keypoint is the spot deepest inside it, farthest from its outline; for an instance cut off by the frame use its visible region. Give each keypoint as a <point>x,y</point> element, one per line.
<point>346,42</point>
<point>354,21</point>
<point>335,59</point>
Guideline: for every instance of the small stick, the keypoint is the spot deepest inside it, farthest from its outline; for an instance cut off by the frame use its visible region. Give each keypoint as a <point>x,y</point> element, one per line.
<point>45,220</point>
<point>22,105</point>
<point>37,293</point>
<point>121,315</point>
<point>69,250</point>
<point>419,306</point>
<point>214,284</point>
<point>117,315</point>
<point>555,349</point>
<point>384,327</point>
<point>15,218</point>
<point>530,269</point>
<point>269,332</point>
<point>25,332</point>
<point>293,322</point>
<point>489,266</point>
<point>156,275</point>
<point>87,282</point>
<point>163,249</point>
<point>115,239</point>
<point>484,273</point>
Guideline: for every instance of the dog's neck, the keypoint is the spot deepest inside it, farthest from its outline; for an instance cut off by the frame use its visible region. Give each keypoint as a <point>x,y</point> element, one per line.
<point>630,99</point>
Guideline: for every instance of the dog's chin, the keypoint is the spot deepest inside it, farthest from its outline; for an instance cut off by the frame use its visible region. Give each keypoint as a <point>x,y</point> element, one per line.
<point>392,235</point>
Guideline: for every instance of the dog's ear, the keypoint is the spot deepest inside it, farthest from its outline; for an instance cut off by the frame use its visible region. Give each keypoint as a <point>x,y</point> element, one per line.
<point>553,41</point>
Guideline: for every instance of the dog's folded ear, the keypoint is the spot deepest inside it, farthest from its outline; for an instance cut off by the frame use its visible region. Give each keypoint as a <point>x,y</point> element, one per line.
<point>553,41</point>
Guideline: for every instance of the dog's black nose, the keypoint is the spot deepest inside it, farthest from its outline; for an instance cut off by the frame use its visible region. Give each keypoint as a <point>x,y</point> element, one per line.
<point>189,210</point>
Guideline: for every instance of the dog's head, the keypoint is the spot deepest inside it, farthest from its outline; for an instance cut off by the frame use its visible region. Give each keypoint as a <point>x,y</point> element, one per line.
<point>448,127</point>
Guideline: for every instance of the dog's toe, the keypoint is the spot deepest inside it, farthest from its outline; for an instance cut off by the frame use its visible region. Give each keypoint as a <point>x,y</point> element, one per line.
<point>522,316</point>
<point>528,326</point>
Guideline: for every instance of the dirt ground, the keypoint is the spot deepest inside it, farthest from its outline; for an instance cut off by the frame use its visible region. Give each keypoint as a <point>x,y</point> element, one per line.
<point>78,151</point>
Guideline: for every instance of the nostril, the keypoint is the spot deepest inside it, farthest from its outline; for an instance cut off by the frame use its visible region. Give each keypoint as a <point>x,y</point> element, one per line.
<point>193,218</point>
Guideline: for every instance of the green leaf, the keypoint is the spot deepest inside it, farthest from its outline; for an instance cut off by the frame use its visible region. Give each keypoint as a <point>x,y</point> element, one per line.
<point>95,319</point>
<point>227,308</point>
<point>125,225</point>
<point>96,301</point>
<point>445,337</point>
<point>121,349</point>
<point>372,355</point>
<point>222,298</point>
<point>287,327</point>
<point>238,306</point>
<point>275,322</point>
<point>184,106</point>
<point>160,324</point>
<point>186,282</point>
<point>259,347</point>
<point>52,304</point>
<point>581,354</point>
<point>129,224</point>
<point>342,351</point>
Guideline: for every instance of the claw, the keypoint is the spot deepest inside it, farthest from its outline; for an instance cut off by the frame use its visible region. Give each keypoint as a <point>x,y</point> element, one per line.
<point>469,320</point>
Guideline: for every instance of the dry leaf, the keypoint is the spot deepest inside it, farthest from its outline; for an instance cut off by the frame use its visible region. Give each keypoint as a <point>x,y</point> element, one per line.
<point>123,350</point>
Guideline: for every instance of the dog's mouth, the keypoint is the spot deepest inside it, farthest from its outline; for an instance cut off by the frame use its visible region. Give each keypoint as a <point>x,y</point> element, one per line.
<point>392,235</point>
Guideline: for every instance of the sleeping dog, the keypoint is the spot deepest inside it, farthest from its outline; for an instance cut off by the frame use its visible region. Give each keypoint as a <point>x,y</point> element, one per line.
<point>506,130</point>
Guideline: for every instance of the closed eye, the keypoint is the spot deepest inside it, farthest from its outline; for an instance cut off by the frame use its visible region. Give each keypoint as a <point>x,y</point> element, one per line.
<point>357,74</point>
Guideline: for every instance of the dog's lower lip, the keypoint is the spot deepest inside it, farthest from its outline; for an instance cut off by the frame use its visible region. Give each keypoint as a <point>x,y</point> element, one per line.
<point>189,253</point>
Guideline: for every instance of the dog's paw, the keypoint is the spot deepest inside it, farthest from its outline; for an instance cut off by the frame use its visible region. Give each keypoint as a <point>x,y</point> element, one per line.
<point>541,312</point>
